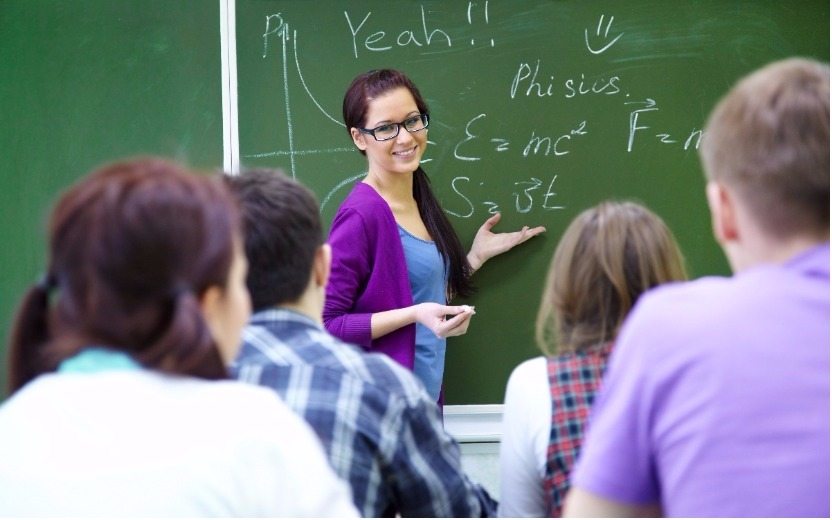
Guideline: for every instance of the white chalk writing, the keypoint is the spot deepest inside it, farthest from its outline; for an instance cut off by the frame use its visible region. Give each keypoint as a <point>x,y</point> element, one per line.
<point>379,41</point>
<point>482,138</point>
<point>603,42</point>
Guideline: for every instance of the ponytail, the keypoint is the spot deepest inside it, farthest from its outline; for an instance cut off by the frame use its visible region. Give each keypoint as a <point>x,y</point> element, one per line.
<point>29,334</point>
<point>185,345</point>
<point>443,234</point>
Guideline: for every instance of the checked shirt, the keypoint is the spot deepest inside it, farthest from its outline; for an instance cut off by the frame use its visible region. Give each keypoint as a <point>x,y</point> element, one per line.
<point>382,432</point>
<point>573,381</point>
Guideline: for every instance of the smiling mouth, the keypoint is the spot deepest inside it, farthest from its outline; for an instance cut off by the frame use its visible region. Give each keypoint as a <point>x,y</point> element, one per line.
<point>406,153</point>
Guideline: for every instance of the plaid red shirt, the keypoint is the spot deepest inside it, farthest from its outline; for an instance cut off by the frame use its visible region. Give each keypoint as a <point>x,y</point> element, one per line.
<point>573,381</point>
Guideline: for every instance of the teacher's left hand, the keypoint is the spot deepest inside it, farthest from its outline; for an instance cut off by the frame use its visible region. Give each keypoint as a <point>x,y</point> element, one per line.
<point>488,244</point>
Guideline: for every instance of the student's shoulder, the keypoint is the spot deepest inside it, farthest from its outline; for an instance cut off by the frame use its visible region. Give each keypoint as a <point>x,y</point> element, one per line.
<point>319,354</point>
<point>220,409</point>
<point>712,304</point>
<point>254,424</point>
<point>240,402</point>
<point>377,373</point>
<point>678,322</point>
<point>686,300</point>
<point>529,369</point>
<point>389,374</point>
<point>380,374</point>
<point>529,378</point>
<point>381,377</point>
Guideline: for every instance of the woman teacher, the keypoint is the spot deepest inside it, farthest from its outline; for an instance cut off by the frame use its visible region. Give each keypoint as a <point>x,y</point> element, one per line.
<point>397,260</point>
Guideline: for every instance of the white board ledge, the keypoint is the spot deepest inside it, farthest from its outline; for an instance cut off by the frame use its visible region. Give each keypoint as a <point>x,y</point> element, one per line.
<point>474,422</point>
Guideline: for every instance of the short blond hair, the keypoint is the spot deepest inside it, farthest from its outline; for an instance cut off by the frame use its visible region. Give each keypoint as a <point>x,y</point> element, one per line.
<point>768,138</point>
<point>609,255</point>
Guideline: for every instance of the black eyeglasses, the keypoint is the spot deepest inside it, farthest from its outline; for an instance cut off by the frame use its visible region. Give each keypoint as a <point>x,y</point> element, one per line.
<point>389,131</point>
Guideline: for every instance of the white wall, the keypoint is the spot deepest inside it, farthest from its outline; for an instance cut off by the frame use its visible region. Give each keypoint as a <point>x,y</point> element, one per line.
<point>478,429</point>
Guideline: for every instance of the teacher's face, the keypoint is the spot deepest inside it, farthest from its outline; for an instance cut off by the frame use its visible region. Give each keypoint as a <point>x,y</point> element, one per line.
<point>402,153</point>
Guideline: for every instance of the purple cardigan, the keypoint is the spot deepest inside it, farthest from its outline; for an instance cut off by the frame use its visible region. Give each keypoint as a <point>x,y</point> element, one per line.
<point>369,274</point>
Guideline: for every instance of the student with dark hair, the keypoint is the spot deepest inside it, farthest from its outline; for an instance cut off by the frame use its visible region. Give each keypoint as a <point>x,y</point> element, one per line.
<point>382,432</point>
<point>119,400</point>
<point>397,260</point>
<point>716,399</point>
<point>608,257</point>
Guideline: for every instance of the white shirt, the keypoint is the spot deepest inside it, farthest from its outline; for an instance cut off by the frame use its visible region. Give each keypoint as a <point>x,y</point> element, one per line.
<point>139,443</point>
<point>527,417</point>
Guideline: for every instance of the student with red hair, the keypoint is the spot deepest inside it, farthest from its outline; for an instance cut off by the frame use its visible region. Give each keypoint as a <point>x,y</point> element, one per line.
<point>120,402</point>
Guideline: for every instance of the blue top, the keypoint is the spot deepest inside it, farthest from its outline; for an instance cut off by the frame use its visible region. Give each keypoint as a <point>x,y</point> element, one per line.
<point>426,273</point>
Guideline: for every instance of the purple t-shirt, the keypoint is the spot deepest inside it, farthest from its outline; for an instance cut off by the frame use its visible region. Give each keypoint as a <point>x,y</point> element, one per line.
<point>716,399</point>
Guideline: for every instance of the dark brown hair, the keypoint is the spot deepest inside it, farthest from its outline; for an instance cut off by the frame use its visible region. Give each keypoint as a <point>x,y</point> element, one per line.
<point>131,248</point>
<point>768,138</point>
<point>609,255</point>
<point>282,229</point>
<point>363,89</point>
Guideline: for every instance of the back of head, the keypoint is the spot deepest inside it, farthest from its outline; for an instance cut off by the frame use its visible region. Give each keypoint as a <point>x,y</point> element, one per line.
<point>132,247</point>
<point>768,139</point>
<point>609,255</point>
<point>282,230</point>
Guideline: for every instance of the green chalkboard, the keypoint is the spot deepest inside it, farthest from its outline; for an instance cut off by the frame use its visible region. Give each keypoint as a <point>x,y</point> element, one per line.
<point>84,82</point>
<point>538,108</point>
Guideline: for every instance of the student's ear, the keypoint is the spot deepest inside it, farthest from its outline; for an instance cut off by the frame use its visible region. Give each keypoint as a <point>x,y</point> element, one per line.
<point>210,305</point>
<point>322,263</point>
<point>723,207</point>
<point>359,138</point>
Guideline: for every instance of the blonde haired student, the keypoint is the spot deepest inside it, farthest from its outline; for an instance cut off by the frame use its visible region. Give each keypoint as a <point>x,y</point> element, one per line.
<point>609,255</point>
<point>121,404</point>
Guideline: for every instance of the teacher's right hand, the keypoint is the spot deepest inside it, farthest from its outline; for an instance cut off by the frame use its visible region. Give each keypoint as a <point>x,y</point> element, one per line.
<point>435,317</point>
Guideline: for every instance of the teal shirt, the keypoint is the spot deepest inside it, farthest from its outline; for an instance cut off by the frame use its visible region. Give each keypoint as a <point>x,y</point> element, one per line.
<point>426,273</point>
<point>97,359</point>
